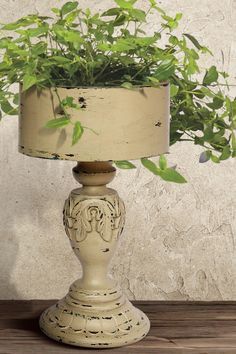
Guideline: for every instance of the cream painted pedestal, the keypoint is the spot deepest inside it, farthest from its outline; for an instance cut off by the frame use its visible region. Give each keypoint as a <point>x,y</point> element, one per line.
<point>95,313</point>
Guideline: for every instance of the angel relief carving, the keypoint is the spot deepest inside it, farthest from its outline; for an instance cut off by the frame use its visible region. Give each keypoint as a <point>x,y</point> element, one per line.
<point>83,216</point>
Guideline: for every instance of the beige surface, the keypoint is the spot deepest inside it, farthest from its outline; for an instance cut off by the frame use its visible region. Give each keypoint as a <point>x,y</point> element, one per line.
<point>179,241</point>
<point>124,124</point>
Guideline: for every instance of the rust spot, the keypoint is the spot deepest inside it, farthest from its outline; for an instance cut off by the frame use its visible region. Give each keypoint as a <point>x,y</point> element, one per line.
<point>82,102</point>
<point>158,124</point>
<point>56,156</point>
<point>75,303</point>
<point>106,250</point>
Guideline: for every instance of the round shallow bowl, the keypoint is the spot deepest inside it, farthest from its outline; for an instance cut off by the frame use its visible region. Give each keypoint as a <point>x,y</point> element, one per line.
<point>123,124</point>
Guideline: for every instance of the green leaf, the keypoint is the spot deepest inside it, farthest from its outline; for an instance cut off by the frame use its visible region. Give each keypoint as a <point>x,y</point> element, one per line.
<point>233,141</point>
<point>112,12</point>
<point>215,159</point>
<point>153,80</point>
<point>123,45</point>
<point>208,133</point>
<point>145,41</point>
<point>104,47</point>
<point>70,18</point>
<point>8,109</point>
<point>56,11</point>
<point>171,23</point>
<point>211,76</point>
<point>60,60</point>
<point>138,15</point>
<point>125,165</point>
<point>124,4</point>
<point>207,92</point>
<point>28,81</point>
<point>119,21</point>
<point>171,175</point>
<point>35,32</point>
<point>152,3</point>
<point>151,166</point>
<point>165,70</point>
<point>22,22</point>
<point>70,36</point>
<point>69,102</point>
<point>205,156</point>
<point>217,103</point>
<point>127,85</point>
<point>69,7</point>
<point>39,48</point>
<point>226,153</point>
<point>58,123</point>
<point>193,40</point>
<point>178,16</point>
<point>16,98</point>
<point>162,162</point>
<point>77,132</point>
<point>174,90</point>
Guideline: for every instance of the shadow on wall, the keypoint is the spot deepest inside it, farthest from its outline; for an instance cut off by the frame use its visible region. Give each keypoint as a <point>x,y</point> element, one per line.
<point>8,253</point>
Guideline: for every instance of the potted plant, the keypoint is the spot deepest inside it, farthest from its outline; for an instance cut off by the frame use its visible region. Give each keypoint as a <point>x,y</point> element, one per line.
<point>95,88</point>
<point>79,48</point>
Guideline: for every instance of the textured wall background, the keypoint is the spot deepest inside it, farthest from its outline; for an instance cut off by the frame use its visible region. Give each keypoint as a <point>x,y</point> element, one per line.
<point>179,242</point>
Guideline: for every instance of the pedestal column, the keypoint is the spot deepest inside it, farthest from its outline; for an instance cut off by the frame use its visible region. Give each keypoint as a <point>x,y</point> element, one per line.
<point>95,313</point>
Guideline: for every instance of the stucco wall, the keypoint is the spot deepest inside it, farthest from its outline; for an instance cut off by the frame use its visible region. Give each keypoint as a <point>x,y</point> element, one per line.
<point>179,242</point>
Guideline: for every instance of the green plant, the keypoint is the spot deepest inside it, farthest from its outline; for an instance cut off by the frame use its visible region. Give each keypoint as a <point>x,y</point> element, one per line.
<point>78,48</point>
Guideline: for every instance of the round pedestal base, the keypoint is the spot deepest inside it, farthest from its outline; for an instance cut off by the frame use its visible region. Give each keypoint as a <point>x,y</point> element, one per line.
<point>105,325</point>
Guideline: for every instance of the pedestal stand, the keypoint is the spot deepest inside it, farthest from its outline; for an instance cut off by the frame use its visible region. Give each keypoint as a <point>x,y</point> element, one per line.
<point>95,313</point>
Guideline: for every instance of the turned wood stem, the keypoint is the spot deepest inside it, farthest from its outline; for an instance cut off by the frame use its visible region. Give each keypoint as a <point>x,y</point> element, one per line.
<point>94,176</point>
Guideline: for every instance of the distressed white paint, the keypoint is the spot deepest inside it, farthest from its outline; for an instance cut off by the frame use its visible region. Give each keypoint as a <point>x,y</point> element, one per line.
<point>179,241</point>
